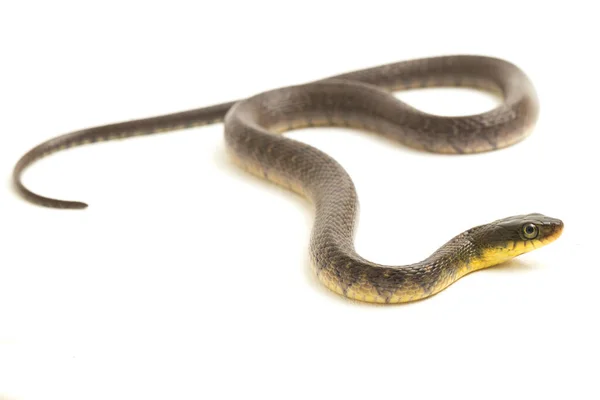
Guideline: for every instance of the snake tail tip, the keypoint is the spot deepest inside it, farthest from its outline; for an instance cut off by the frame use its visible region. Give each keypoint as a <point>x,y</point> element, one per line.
<point>78,205</point>
<point>67,205</point>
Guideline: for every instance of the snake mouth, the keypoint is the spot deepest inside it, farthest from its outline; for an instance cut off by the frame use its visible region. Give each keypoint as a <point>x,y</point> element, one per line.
<point>552,231</point>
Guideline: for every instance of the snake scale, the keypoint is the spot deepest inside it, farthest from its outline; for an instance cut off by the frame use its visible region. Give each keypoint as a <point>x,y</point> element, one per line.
<point>363,100</point>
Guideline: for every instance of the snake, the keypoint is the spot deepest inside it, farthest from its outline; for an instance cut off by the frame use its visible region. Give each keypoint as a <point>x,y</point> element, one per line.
<point>364,100</point>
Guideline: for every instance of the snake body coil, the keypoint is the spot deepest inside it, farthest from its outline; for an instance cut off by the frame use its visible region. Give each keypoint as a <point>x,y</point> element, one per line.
<point>362,100</point>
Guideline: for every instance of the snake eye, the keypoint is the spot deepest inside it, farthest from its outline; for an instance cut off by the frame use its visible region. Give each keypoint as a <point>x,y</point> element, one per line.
<point>530,231</point>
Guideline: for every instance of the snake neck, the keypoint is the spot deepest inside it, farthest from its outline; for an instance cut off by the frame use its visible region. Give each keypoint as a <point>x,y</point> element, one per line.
<point>343,270</point>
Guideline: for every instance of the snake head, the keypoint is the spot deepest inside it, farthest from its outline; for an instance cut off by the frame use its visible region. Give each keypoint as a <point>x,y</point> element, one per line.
<point>537,229</point>
<point>509,237</point>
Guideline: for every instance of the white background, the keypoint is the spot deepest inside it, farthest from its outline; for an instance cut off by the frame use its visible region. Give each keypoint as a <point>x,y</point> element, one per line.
<point>189,279</point>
